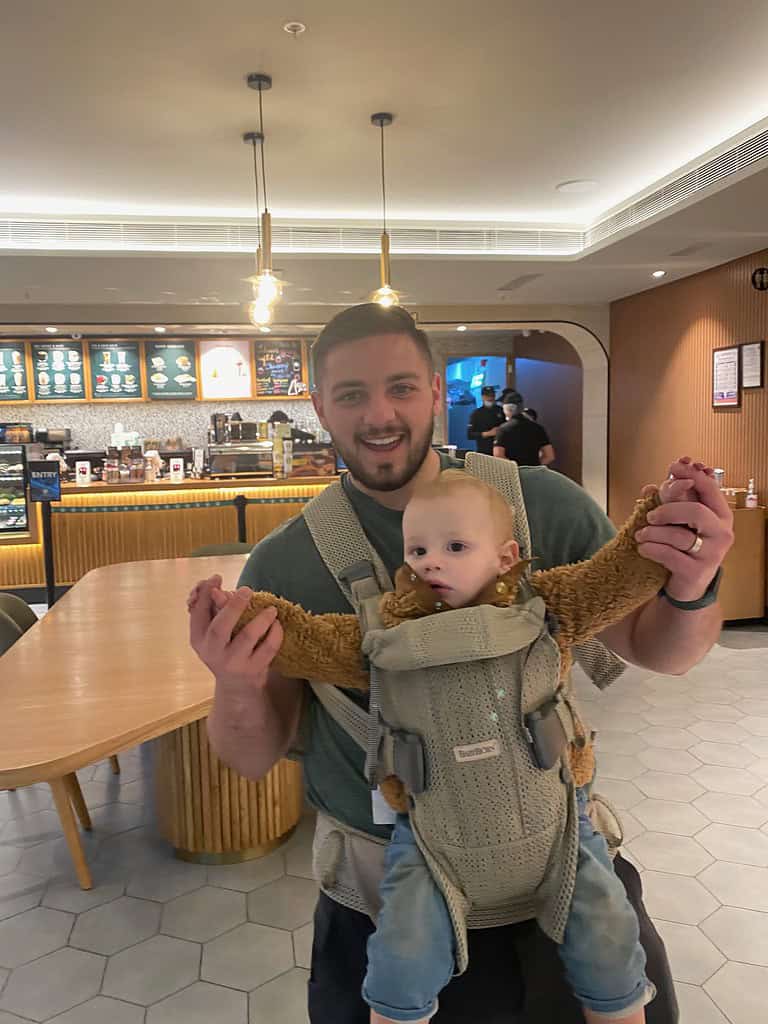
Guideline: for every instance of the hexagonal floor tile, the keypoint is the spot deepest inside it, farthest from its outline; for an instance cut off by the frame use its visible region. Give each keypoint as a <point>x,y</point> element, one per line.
<point>9,858</point>
<point>282,1001</point>
<point>152,970</point>
<point>116,925</point>
<point>203,914</point>
<point>612,720</point>
<point>680,762</point>
<point>741,992</point>
<point>669,718</point>
<point>114,818</point>
<point>666,786</point>
<point>738,781</point>
<point>717,713</point>
<point>99,1011</point>
<point>741,845</point>
<point>288,903</point>
<point>696,1006</point>
<point>737,885</point>
<point>32,934</point>
<point>247,957</point>
<point>757,745</point>
<point>52,858</point>
<point>670,816</point>
<point>732,810</point>
<point>677,898</point>
<point>740,934</point>
<point>24,802</point>
<point>249,875</point>
<point>53,984</point>
<point>728,755</point>
<point>138,792</point>
<point>18,892</point>
<point>302,945</point>
<point>677,855</point>
<point>609,741</point>
<point>667,700</point>
<point>70,897</point>
<point>758,768</point>
<point>620,766</point>
<point>32,828</point>
<point>298,849</point>
<point>719,732</point>
<point>622,704</point>
<point>167,881</point>
<point>755,725</point>
<point>670,738</point>
<point>704,695</point>
<point>201,1004</point>
<point>754,707</point>
<point>624,795</point>
<point>692,956</point>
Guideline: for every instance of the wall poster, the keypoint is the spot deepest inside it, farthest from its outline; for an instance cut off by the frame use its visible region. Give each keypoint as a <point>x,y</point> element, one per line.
<point>726,390</point>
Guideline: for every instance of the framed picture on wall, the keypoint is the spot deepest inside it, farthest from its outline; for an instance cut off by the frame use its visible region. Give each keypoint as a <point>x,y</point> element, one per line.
<point>752,364</point>
<point>726,386</point>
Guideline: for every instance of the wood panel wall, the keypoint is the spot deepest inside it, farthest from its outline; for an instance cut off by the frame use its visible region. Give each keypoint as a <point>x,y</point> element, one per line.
<point>661,381</point>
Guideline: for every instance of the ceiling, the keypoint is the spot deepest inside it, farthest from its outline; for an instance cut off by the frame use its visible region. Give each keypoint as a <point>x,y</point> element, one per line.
<point>139,111</point>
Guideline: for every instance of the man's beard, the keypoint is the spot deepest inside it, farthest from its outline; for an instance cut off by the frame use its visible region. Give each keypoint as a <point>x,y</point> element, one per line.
<point>383,477</point>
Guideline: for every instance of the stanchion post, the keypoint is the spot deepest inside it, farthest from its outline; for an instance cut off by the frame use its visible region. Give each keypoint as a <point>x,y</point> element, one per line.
<point>240,503</point>
<point>50,574</point>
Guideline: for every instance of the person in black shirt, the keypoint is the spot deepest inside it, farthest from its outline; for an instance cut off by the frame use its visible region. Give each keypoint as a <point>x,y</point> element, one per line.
<point>521,439</point>
<point>485,421</point>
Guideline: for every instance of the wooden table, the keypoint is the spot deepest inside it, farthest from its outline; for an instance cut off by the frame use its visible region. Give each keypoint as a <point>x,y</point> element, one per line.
<point>110,666</point>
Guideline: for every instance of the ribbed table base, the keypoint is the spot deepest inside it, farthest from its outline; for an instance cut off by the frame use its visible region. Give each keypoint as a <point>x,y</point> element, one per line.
<point>211,814</point>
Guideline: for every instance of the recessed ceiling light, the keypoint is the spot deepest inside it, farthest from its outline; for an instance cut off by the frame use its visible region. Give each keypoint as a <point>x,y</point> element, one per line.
<point>577,185</point>
<point>160,330</point>
<point>294,28</point>
<point>265,330</point>
<point>52,330</point>
<point>659,273</point>
<point>461,327</point>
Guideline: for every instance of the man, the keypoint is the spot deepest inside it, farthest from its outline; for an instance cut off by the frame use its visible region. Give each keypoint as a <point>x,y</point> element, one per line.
<point>522,439</point>
<point>485,421</point>
<point>377,395</point>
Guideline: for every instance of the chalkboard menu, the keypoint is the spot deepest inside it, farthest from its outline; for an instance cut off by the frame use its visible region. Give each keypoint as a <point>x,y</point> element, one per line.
<point>115,369</point>
<point>57,367</point>
<point>280,369</point>
<point>14,386</point>
<point>171,371</point>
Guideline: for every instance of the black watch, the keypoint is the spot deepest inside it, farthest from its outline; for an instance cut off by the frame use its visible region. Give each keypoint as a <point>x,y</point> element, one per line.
<point>707,598</point>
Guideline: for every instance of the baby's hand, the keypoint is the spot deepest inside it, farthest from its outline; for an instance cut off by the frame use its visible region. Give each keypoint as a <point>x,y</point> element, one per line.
<point>681,484</point>
<point>219,598</point>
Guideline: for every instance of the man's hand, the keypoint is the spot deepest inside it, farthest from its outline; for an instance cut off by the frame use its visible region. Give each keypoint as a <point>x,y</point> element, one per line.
<point>490,433</point>
<point>694,509</point>
<point>242,662</point>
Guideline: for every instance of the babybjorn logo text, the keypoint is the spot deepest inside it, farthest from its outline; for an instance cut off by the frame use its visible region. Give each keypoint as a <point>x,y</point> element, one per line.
<point>477,751</point>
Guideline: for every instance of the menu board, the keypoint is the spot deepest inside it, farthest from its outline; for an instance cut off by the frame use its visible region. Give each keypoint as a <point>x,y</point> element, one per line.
<point>14,386</point>
<point>279,369</point>
<point>225,368</point>
<point>171,371</point>
<point>115,369</point>
<point>58,370</point>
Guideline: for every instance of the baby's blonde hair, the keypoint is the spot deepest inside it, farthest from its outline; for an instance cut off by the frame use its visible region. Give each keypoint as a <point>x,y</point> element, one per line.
<point>452,481</point>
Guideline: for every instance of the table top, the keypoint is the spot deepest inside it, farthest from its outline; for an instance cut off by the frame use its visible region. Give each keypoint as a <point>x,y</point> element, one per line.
<point>108,667</point>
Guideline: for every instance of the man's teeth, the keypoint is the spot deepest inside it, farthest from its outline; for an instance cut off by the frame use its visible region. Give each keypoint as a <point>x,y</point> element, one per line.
<point>382,440</point>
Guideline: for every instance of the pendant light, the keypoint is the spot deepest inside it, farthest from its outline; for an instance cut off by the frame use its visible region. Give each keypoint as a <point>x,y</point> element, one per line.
<point>267,288</point>
<point>385,295</point>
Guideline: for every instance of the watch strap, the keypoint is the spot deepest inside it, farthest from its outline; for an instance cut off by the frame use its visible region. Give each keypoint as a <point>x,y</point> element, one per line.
<point>707,598</point>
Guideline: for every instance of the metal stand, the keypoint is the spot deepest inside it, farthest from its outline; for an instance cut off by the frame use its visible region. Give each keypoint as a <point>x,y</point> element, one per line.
<point>240,503</point>
<point>50,576</point>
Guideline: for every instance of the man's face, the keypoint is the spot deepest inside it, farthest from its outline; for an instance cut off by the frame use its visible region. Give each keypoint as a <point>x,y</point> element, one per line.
<point>488,401</point>
<point>377,399</point>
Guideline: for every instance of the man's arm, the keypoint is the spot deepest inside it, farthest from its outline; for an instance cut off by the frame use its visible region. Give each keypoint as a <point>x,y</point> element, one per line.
<point>660,636</point>
<point>499,452</point>
<point>546,455</point>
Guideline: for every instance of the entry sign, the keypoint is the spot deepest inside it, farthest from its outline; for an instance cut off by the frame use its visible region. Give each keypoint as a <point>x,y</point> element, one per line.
<point>760,279</point>
<point>44,481</point>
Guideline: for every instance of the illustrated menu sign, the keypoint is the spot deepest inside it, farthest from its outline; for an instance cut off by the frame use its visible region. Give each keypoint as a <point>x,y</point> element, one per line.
<point>225,368</point>
<point>726,392</point>
<point>171,371</point>
<point>115,369</point>
<point>279,369</point>
<point>14,386</point>
<point>57,368</point>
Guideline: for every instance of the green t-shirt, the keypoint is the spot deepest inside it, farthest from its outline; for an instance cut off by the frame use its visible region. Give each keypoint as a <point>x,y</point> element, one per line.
<point>566,526</point>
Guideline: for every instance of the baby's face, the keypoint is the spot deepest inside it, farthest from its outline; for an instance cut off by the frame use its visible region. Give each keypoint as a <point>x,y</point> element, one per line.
<point>451,543</point>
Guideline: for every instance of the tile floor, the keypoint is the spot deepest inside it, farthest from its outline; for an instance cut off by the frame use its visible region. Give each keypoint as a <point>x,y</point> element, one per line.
<point>159,941</point>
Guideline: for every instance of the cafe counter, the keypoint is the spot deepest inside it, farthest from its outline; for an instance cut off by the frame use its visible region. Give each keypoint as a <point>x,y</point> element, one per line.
<point>103,524</point>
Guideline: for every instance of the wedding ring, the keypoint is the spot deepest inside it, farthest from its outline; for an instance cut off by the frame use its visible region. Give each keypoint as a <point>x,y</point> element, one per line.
<point>697,545</point>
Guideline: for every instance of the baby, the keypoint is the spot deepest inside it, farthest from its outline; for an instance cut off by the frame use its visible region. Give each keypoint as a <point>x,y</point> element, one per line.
<point>460,551</point>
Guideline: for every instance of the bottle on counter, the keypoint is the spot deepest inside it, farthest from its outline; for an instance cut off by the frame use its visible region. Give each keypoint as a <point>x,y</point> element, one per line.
<point>111,467</point>
<point>136,471</point>
<point>720,478</point>
<point>751,499</point>
<point>287,457</point>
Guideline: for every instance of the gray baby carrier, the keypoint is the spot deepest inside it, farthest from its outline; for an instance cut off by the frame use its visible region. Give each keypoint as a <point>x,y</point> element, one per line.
<point>453,702</point>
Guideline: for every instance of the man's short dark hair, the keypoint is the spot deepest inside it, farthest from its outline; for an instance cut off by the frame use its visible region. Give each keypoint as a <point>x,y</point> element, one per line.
<point>363,321</point>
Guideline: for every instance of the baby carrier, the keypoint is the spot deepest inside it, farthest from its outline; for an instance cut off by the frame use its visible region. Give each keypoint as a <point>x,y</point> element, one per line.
<point>468,711</point>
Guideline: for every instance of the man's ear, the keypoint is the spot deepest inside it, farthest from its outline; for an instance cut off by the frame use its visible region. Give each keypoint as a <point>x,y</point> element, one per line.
<point>509,555</point>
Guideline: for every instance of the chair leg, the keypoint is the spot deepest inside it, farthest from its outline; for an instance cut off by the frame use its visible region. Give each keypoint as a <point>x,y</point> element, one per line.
<point>78,801</point>
<point>71,833</point>
<point>115,764</point>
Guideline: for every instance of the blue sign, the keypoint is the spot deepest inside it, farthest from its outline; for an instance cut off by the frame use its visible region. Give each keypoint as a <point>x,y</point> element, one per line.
<point>44,481</point>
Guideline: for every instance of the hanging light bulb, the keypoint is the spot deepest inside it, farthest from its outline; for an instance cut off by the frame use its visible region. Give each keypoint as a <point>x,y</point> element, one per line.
<point>385,295</point>
<point>267,288</point>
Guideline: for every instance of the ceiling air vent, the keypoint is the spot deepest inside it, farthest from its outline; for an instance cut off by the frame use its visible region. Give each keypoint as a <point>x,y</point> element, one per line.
<point>519,282</point>
<point>689,250</point>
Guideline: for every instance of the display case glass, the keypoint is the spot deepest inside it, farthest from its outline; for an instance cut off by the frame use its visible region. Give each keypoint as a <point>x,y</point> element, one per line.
<point>14,516</point>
